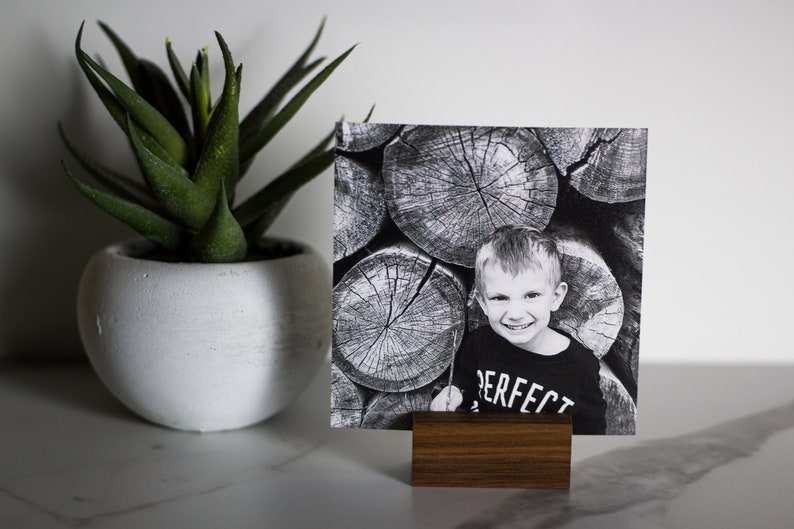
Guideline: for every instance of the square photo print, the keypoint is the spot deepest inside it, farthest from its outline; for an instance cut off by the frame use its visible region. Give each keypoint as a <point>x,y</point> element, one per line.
<point>487,269</point>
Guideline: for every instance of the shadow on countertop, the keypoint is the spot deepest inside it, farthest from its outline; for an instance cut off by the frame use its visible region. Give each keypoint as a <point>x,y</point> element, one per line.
<point>651,474</point>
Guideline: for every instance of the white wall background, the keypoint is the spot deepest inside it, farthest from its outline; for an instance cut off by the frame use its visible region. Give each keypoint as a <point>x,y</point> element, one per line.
<point>712,80</point>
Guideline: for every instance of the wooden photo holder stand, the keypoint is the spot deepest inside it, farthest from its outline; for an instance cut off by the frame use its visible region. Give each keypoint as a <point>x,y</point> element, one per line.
<point>518,450</point>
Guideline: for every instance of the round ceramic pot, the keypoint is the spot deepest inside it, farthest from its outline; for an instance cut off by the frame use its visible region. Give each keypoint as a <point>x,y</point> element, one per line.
<point>205,347</point>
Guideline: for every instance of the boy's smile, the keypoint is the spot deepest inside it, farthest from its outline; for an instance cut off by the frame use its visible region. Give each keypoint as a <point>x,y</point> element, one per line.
<point>519,307</point>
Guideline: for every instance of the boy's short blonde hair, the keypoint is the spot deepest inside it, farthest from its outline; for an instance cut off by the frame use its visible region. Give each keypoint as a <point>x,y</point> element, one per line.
<point>515,249</point>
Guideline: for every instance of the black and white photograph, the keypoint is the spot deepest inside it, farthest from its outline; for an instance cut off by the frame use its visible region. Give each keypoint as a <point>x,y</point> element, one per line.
<point>487,269</point>
<point>449,265</point>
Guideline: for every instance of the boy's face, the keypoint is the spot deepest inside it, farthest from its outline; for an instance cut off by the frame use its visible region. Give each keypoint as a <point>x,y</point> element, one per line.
<point>519,307</point>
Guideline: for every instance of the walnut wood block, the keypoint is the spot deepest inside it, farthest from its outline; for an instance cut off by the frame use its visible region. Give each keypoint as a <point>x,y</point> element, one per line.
<point>518,450</point>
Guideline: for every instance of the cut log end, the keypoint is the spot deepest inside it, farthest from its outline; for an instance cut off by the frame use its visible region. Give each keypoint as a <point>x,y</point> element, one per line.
<point>621,410</point>
<point>360,137</point>
<point>347,401</point>
<point>606,165</point>
<point>448,188</point>
<point>359,206</point>
<point>399,315</point>
<point>393,411</point>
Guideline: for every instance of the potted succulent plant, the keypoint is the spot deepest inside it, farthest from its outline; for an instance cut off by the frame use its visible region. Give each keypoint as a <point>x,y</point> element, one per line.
<point>203,324</point>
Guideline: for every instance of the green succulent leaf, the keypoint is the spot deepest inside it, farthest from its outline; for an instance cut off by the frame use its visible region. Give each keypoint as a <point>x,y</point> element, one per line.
<point>221,239</point>
<point>321,146</point>
<point>150,82</point>
<point>200,103</point>
<point>182,198</point>
<point>119,113</point>
<point>258,205</point>
<point>191,175</point>
<point>162,95</point>
<point>310,165</point>
<point>264,213</point>
<point>142,111</point>
<point>255,230</point>
<point>116,182</point>
<point>219,161</point>
<point>181,77</point>
<point>266,107</point>
<point>369,114</point>
<point>274,125</point>
<point>267,214</point>
<point>128,57</point>
<point>149,224</point>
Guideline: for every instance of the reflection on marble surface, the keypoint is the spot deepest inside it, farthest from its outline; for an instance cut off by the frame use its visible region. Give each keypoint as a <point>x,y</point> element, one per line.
<point>651,474</point>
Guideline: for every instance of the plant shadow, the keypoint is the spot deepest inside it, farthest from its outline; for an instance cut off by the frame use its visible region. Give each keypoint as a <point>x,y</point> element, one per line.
<point>49,230</point>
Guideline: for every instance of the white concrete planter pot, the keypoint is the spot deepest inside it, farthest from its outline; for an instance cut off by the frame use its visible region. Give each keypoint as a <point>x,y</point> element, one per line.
<point>205,347</point>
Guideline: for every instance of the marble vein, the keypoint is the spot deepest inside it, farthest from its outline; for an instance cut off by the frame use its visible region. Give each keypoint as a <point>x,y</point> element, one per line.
<point>650,474</point>
<point>231,479</point>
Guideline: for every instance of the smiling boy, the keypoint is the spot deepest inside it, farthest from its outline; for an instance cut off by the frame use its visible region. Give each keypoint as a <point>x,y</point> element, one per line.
<point>517,362</point>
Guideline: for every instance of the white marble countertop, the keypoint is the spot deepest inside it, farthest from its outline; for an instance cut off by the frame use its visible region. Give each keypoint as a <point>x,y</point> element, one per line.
<point>715,449</point>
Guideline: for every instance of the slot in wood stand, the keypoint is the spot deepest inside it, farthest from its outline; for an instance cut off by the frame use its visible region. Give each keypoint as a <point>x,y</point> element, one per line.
<point>519,450</point>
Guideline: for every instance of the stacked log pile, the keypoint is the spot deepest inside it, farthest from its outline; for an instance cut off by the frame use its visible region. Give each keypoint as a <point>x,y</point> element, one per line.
<point>412,205</point>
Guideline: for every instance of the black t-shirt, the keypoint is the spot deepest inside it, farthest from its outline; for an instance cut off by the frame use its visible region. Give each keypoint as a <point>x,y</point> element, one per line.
<point>495,375</point>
